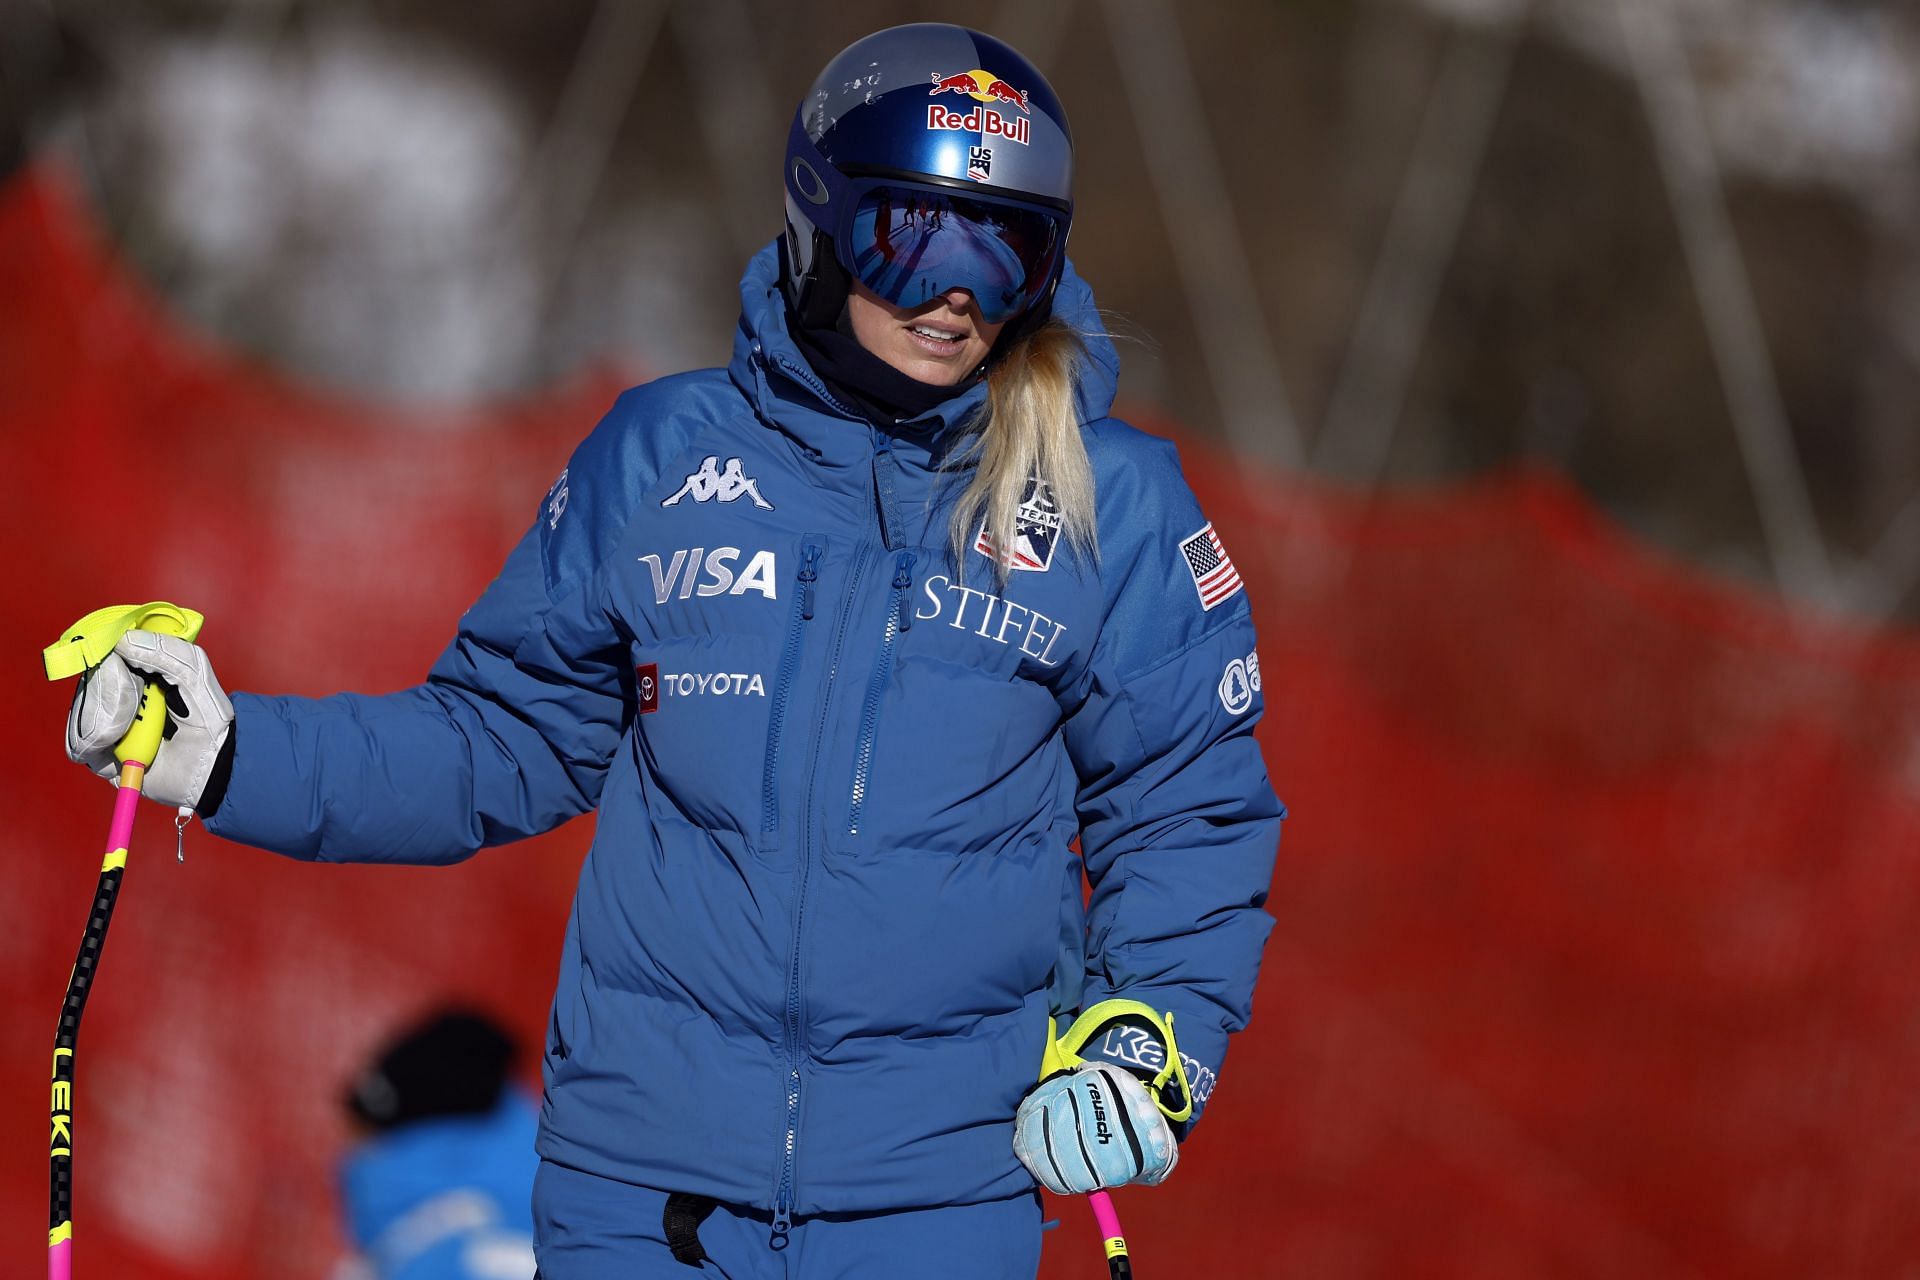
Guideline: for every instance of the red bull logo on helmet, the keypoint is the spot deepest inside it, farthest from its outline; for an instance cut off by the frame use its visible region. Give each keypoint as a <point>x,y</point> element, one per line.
<point>989,90</point>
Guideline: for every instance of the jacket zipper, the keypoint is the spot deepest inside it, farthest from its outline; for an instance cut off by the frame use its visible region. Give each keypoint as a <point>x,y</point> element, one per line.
<point>899,618</point>
<point>811,381</point>
<point>796,1046</point>
<point>800,615</point>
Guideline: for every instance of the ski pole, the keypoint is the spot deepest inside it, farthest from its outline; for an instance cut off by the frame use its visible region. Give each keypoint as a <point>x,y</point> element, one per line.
<point>1112,1239</point>
<point>82,647</point>
<point>1063,1054</point>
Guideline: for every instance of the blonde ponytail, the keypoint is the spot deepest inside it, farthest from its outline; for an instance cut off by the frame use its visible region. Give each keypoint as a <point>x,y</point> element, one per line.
<point>1029,426</point>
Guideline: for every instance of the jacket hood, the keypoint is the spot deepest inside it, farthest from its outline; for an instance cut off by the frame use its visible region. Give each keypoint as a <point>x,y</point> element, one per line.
<point>769,367</point>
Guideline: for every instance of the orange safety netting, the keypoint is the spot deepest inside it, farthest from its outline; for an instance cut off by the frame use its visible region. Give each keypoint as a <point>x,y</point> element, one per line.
<point>1599,922</point>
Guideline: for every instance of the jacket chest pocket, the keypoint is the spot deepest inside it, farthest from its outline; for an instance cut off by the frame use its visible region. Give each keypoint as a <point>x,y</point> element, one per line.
<point>950,751</point>
<point>717,636</point>
<point>704,709</point>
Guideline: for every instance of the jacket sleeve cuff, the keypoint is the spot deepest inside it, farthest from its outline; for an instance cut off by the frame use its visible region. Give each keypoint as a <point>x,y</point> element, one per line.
<point>254,788</point>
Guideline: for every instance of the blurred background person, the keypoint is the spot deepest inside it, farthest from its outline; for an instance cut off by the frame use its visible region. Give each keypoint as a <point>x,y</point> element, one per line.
<point>439,1182</point>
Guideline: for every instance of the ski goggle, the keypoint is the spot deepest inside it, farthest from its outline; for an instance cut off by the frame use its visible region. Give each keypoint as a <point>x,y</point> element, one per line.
<point>912,244</point>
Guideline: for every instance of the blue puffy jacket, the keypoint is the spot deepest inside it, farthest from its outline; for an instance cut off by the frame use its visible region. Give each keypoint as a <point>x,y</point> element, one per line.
<point>830,903</point>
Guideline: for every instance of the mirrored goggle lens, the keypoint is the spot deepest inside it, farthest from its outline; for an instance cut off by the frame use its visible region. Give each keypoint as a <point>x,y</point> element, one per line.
<point>912,246</point>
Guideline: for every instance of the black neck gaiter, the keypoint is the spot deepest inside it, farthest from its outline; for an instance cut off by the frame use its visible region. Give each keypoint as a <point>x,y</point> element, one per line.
<point>863,381</point>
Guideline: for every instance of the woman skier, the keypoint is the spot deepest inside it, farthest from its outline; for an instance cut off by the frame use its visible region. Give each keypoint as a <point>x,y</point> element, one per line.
<point>846,642</point>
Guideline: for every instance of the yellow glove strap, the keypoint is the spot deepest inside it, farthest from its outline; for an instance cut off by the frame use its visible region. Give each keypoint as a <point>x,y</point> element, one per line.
<point>86,644</point>
<point>1063,1054</point>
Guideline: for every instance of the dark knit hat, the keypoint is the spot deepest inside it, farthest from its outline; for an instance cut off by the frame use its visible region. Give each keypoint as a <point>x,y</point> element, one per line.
<point>454,1062</point>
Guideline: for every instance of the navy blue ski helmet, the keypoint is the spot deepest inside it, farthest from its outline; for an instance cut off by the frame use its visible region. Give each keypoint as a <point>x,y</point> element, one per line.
<point>927,158</point>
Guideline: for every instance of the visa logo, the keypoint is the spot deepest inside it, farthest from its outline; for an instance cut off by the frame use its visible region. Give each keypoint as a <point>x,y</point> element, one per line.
<point>688,574</point>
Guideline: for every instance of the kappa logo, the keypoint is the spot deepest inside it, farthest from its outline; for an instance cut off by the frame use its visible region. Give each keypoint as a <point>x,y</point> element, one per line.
<point>1139,1047</point>
<point>710,483</point>
<point>686,574</point>
<point>1239,683</point>
<point>1036,531</point>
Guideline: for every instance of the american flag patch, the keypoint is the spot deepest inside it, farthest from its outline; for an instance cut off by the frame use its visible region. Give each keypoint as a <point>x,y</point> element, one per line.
<point>1214,576</point>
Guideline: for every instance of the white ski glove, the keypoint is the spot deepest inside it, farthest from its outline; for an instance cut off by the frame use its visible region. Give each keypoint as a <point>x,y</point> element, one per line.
<point>199,716</point>
<point>1093,1127</point>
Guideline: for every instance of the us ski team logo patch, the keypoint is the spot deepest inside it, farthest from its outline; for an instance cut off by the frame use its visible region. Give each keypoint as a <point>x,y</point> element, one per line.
<point>1036,531</point>
<point>1214,576</point>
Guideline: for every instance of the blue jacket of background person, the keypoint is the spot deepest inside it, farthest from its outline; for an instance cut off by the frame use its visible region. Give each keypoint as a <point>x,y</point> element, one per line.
<point>830,902</point>
<point>446,1198</point>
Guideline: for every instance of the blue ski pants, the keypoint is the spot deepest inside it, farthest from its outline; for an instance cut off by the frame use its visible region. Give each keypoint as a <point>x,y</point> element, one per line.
<point>592,1228</point>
